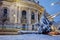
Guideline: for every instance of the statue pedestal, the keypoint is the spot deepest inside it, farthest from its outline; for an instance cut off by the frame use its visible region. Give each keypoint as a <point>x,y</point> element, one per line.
<point>54,33</point>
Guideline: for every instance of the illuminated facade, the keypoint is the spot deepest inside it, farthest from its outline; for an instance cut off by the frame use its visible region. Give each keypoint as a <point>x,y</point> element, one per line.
<point>20,14</point>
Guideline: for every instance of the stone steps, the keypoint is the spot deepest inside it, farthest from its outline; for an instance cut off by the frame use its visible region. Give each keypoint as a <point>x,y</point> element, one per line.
<point>8,31</point>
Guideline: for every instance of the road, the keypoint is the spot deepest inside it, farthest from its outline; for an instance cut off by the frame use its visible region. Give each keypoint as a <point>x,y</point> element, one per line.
<point>29,37</point>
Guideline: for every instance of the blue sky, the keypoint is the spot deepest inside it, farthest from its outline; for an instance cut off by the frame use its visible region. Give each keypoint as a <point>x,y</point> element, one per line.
<point>51,9</point>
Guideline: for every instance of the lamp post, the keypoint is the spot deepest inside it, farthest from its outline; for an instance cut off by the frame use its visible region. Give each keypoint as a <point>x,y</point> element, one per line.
<point>55,3</point>
<point>57,14</point>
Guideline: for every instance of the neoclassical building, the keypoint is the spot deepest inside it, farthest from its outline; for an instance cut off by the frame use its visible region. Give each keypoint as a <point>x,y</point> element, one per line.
<point>20,14</point>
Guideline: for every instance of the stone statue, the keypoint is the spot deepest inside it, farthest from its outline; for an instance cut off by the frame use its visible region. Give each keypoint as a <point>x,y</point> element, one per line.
<point>45,26</point>
<point>46,23</point>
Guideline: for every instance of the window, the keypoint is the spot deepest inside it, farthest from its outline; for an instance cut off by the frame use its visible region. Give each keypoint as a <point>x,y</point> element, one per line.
<point>5,12</point>
<point>32,16</point>
<point>4,16</point>
<point>24,14</point>
<point>23,17</point>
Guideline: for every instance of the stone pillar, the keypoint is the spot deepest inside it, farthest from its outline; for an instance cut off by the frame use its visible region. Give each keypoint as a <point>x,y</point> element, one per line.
<point>36,19</point>
<point>19,17</point>
<point>29,20</point>
<point>11,12</point>
<point>15,16</point>
<point>11,17</point>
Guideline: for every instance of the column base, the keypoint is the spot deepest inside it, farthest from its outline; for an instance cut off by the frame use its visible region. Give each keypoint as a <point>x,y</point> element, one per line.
<point>30,28</point>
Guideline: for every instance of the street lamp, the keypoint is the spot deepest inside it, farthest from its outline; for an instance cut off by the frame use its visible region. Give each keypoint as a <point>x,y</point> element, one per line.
<point>52,4</point>
<point>55,3</point>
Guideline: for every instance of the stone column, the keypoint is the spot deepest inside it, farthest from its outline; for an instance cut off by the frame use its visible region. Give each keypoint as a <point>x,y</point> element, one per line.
<point>36,19</point>
<point>11,17</point>
<point>19,17</point>
<point>29,20</point>
<point>15,16</point>
<point>11,12</point>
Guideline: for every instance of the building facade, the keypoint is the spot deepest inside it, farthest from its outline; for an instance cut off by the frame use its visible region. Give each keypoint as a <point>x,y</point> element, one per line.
<point>20,14</point>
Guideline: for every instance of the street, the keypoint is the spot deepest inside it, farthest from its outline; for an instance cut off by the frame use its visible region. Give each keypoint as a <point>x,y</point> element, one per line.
<point>29,37</point>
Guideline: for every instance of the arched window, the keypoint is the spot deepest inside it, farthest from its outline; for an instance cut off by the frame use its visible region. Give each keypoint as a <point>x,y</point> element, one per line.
<point>38,17</point>
<point>5,12</point>
<point>32,16</point>
<point>24,14</point>
<point>4,17</point>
